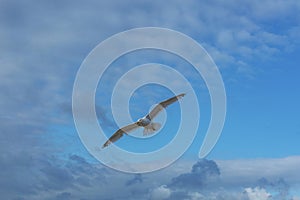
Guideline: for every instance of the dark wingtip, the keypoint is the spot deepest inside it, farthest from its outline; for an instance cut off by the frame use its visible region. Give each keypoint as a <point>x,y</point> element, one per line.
<point>105,144</point>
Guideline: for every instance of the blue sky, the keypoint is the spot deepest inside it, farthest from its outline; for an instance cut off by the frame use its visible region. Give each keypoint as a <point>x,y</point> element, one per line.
<point>256,47</point>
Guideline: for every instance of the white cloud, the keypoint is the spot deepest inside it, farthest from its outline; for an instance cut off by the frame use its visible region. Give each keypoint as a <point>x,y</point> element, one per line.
<point>233,171</point>
<point>195,196</point>
<point>273,10</point>
<point>257,194</point>
<point>161,193</point>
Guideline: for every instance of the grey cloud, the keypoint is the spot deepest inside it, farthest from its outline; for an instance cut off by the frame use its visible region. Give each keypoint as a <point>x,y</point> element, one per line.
<point>16,176</point>
<point>280,186</point>
<point>205,181</point>
<point>76,178</point>
<point>135,180</point>
<point>56,178</point>
<point>202,173</point>
<point>218,194</point>
<point>49,177</point>
<point>102,113</point>
<point>64,196</point>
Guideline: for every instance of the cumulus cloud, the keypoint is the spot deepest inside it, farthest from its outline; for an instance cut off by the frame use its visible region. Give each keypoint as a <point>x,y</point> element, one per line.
<point>202,173</point>
<point>279,186</point>
<point>195,196</point>
<point>257,194</point>
<point>161,193</point>
<point>135,180</point>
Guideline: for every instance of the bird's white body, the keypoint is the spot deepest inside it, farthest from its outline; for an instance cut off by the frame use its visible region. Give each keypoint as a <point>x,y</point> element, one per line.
<point>151,128</point>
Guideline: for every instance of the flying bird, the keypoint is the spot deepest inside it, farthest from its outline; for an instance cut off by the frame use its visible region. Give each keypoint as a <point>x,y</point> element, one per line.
<point>146,122</point>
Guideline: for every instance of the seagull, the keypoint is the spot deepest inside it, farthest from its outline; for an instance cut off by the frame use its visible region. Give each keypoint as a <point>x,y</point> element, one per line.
<point>146,122</point>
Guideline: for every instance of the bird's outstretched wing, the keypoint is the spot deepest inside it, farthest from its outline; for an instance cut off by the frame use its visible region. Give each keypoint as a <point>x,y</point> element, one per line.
<point>119,133</point>
<point>159,107</point>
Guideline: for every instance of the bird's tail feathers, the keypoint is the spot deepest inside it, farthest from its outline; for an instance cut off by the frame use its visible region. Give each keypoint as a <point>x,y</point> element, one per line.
<point>151,128</point>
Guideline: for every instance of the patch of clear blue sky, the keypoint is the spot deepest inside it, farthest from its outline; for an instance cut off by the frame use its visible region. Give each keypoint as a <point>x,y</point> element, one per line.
<point>263,113</point>
<point>262,116</point>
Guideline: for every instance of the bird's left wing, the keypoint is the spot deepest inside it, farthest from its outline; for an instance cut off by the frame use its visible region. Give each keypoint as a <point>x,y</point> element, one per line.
<point>119,133</point>
<point>159,107</point>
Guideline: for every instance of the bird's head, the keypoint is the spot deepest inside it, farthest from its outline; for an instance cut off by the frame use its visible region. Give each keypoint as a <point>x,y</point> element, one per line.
<point>143,122</point>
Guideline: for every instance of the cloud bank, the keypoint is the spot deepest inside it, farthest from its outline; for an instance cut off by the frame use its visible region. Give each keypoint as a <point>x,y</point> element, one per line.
<point>76,178</point>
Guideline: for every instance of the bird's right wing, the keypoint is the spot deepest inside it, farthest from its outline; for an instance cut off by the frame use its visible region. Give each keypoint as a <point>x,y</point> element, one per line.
<point>119,133</point>
<point>159,107</point>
